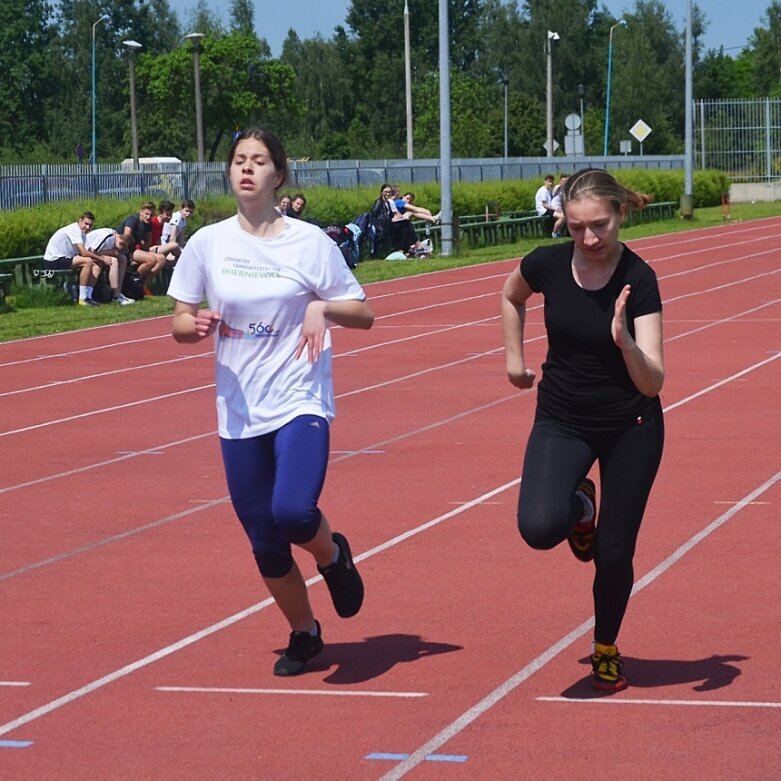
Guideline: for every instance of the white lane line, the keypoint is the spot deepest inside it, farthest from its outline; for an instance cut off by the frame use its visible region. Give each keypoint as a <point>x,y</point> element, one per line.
<point>139,664</point>
<point>105,409</point>
<point>310,692</point>
<point>15,683</point>
<point>500,692</point>
<point>685,703</point>
<point>98,375</point>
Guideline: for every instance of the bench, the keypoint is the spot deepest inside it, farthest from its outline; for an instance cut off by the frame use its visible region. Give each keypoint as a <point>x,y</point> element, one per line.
<point>5,286</point>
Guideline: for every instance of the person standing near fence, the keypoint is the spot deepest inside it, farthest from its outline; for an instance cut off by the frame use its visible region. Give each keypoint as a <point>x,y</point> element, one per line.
<point>273,285</point>
<point>597,401</point>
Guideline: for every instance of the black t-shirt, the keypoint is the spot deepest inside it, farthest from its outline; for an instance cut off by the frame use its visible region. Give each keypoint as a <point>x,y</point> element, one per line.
<point>141,230</point>
<point>584,378</point>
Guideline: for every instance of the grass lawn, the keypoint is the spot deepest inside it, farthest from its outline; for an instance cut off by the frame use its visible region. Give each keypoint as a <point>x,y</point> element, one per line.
<point>40,312</point>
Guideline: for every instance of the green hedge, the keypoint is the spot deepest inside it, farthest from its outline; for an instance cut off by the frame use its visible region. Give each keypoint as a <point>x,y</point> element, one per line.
<point>26,231</point>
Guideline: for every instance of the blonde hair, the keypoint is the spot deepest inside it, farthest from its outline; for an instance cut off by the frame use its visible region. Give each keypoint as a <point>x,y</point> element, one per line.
<point>599,184</point>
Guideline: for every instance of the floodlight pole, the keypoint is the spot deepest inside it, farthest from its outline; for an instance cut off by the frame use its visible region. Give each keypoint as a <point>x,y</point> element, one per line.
<point>94,111</point>
<point>549,93</point>
<point>133,47</point>
<point>195,40</point>
<point>408,79</point>
<point>445,161</point>
<point>620,23</point>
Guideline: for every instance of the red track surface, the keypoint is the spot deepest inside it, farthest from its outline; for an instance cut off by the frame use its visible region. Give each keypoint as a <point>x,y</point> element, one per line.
<point>123,570</point>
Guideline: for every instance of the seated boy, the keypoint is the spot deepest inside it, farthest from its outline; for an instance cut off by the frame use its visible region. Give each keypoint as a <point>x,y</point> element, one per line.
<point>116,249</point>
<point>139,226</point>
<point>170,250</point>
<point>173,230</point>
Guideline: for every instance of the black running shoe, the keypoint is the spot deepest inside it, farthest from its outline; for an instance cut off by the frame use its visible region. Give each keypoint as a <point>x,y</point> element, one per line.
<point>343,580</point>
<point>301,648</point>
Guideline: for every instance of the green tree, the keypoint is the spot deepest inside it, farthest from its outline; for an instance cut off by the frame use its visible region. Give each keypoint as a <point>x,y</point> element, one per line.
<point>648,79</point>
<point>239,87</point>
<point>26,34</point>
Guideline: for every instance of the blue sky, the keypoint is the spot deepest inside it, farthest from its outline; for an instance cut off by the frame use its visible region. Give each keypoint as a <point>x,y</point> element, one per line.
<point>730,25</point>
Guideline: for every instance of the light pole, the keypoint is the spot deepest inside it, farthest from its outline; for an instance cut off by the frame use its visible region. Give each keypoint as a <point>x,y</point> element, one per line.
<point>620,23</point>
<point>103,18</point>
<point>549,103</point>
<point>133,47</point>
<point>581,95</point>
<point>408,80</point>
<point>504,80</point>
<point>195,40</point>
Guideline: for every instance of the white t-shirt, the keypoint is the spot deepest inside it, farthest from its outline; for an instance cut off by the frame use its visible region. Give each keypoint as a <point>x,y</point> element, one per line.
<point>555,200</point>
<point>63,242</point>
<point>101,240</point>
<point>542,196</point>
<point>177,220</point>
<point>261,288</point>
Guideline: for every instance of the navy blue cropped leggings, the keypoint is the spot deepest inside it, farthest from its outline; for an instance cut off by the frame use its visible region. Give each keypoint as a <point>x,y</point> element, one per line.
<point>275,482</point>
<point>558,457</point>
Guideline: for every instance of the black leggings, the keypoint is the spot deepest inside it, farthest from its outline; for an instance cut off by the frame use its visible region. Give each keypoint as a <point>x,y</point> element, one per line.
<point>558,457</point>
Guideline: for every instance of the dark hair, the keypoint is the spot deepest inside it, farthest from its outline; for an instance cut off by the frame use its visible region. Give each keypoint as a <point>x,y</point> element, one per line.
<point>411,195</point>
<point>166,206</point>
<point>88,215</point>
<point>147,205</point>
<point>599,184</point>
<point>301,196</point>
<point>275,149</point>
<point>188,204</point>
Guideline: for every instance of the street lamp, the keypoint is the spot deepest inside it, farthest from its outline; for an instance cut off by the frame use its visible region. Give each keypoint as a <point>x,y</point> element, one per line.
<point>103,18</point>
<point>195,40</point>
<point>133,47</point>
<point>408,80</point>
<point>620,23</point>
<point>504,80</point>
<point>551,37</point>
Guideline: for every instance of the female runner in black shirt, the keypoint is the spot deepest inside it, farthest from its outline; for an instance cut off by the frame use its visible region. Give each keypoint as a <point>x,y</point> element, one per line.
<point>597,400</point>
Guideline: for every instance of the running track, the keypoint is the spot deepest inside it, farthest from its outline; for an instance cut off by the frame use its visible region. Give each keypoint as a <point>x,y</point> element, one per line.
<point>137,640</point>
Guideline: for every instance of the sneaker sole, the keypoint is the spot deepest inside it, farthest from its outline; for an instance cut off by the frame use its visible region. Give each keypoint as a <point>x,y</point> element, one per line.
<point>586,552</point>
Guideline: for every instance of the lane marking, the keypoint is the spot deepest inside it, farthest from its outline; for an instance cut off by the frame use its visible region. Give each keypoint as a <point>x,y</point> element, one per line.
<point>15,683</point>
<point>384,755</point>
<point>307,692</point>
<point>195,637</point>
<point>685,703</point>
<point>15,743</point>
<point>500,692</point>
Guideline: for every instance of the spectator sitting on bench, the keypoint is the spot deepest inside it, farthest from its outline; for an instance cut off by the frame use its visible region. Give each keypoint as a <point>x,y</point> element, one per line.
<point>67,250</point>
<point>171,250</point>
<point>542,198</point>
<point>297,206</point>
<point>173,230</point>
<point>139,226</point>
<point>558,211</point>
<point>407,208</point>
<point>116,249</point>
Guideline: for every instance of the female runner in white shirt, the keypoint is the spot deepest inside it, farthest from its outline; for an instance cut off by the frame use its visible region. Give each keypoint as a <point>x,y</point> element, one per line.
<point>273,285</point>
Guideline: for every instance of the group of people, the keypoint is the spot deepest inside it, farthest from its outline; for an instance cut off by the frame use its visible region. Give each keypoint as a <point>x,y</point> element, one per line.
<point>292,205</point>
<point>274,285</point>
<point>547,203</point>
<point>391,215</point>
<point>146,241</point>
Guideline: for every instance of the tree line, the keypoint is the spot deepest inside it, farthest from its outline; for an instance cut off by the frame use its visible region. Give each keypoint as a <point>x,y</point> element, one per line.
<point>344,97</point>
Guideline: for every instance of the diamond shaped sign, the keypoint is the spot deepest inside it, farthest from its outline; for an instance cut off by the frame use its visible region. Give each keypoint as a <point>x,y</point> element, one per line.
<point>640,130</point>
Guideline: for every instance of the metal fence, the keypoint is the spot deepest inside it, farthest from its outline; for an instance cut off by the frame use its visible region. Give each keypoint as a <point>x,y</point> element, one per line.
<point>740,137</point>
<point>28,185</point>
